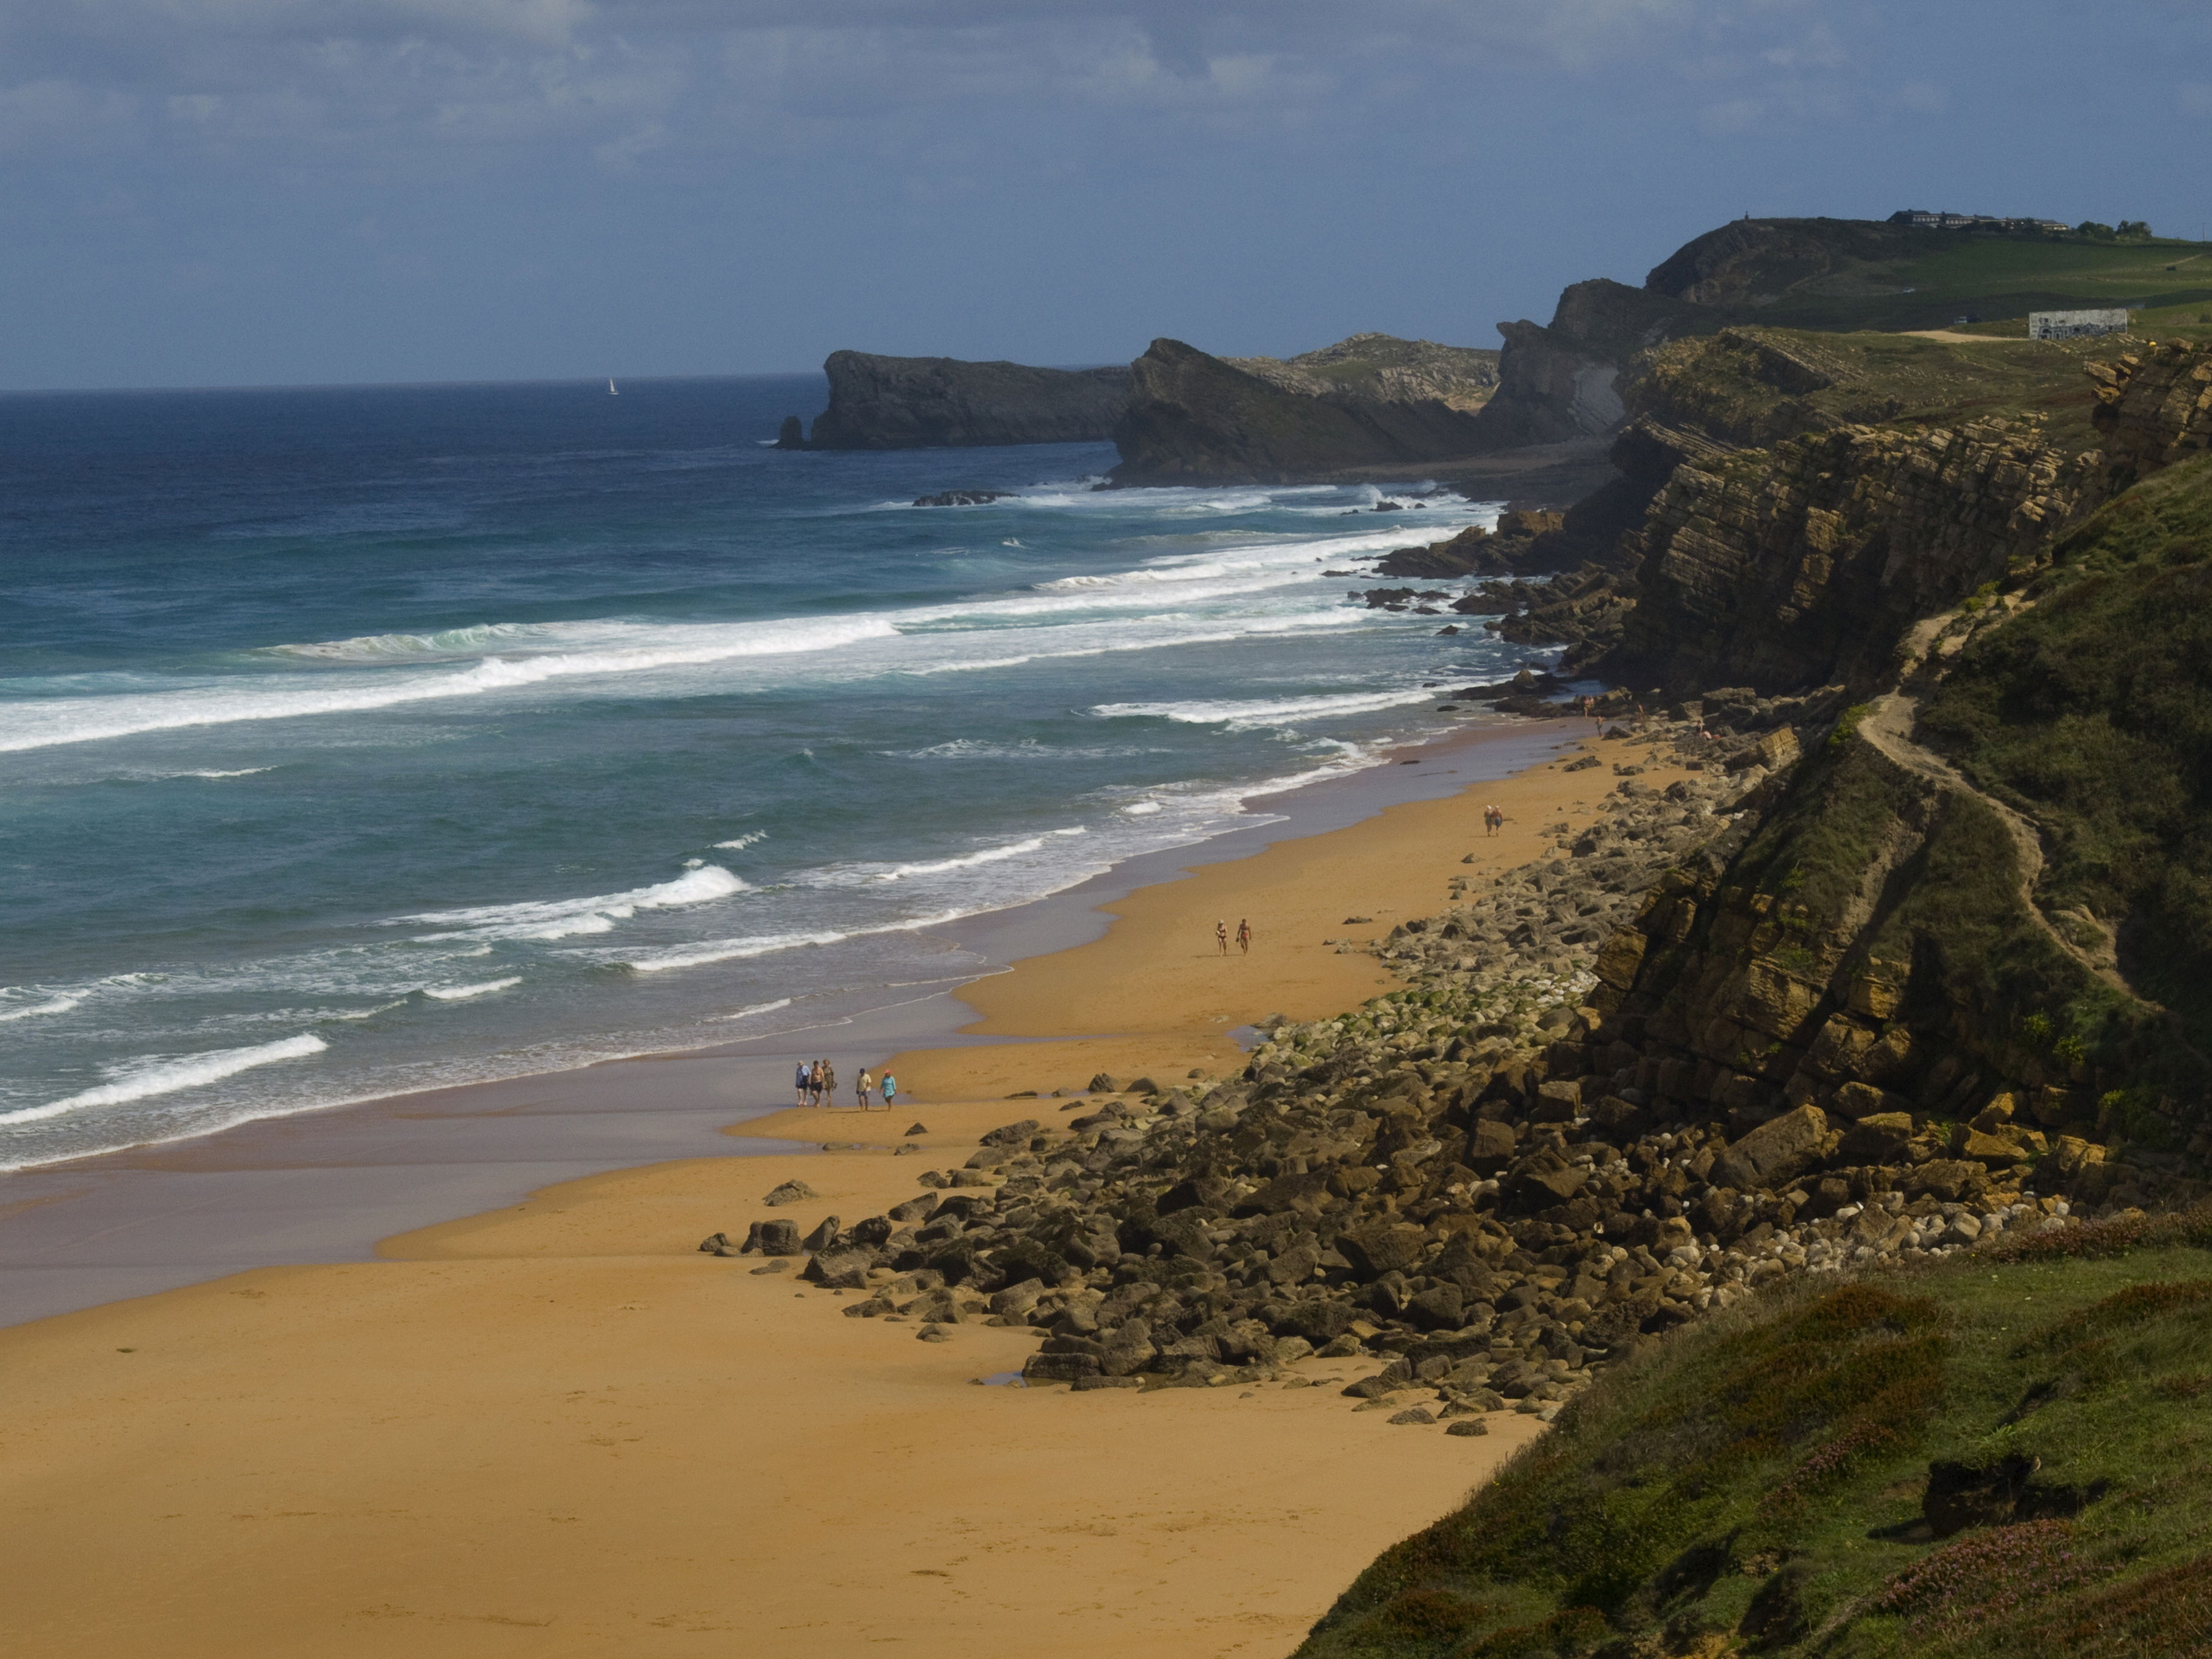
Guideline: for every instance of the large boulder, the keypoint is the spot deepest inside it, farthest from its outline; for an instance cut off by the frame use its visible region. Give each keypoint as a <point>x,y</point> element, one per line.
<point>1775,1153</point>
<point>1381,1248</point>
<point>777,1237</point>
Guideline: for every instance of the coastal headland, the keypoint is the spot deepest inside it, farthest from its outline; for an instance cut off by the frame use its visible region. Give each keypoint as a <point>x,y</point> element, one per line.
<point>559,1428</point>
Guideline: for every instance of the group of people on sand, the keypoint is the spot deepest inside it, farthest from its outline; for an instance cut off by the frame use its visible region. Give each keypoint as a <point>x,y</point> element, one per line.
<point>1494,820</point>
<point>816,1083</point>
<point>1244,936</point>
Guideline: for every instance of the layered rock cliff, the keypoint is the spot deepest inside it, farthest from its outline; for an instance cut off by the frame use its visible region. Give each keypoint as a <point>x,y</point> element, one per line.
<point>1369,400</point>
<point>923,403</point>
<point>1797,566</point>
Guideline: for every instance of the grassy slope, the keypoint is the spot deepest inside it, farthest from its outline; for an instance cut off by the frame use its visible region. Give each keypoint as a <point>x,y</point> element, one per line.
<point>1994,275</point>
<point>1876,377</point>
<point>1761,1474</point>
<point>2093,713</point>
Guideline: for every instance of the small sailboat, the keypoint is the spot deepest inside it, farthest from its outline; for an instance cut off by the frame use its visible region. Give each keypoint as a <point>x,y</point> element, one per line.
<point>611,392</point>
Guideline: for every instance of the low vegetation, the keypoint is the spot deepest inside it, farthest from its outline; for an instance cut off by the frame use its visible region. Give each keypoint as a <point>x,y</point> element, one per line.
<point>2092,712</point>
<point>2005,1453</point>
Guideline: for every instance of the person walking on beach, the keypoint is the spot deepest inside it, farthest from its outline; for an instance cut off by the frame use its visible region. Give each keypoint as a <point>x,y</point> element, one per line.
<point>829,1084</point>
<point>1245,936</point>
<point>806,1081</point>
<point>862,1085</point>
<point>890,1091</point>
<point>1221,937</point>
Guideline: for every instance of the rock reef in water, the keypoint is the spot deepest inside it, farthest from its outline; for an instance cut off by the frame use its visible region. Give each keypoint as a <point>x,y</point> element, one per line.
<point>929,402</point>
<point>1369,400</point>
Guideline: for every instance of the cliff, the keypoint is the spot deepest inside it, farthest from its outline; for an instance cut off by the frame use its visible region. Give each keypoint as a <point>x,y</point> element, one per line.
<point>1795,567</point>
<point>1563,380</point>
<point>1369,400</point>
<point>920,402</point>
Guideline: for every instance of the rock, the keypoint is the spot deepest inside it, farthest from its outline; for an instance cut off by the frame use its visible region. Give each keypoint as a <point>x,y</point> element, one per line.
<point>715,1243</point>
<point>915,403</point>
<point>932,1334</point>
<point>964,498</point>
<point>1383,1248</point>
<point>840,1270</point>
<point>772,1267</point>
<point>917,1128</point>
<point>790,1191</point>
<point>1194,418</point>
<point>1414,1414</point>
<point>1775,1153</point>
<point>1467,1425</point>
<point>915,1208</point>
<point>1878,1139</point>
<point>1491,1146</point>
<point>1103,1083</point>
<point>791,435</point>
<point>777,1237</point>
<point>1013,1135</point>
<point>822,1237</point>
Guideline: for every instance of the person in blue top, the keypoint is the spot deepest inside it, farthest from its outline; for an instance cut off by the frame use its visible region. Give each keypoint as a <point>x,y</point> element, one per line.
<point>805,1081</point>
<point>890,1086</point>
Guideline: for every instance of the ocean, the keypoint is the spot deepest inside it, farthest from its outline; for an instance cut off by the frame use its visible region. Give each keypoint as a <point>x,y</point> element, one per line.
<point>361,740</point>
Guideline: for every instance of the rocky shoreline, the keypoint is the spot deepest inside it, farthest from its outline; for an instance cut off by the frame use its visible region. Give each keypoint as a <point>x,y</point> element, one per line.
<point>1472,1178</point>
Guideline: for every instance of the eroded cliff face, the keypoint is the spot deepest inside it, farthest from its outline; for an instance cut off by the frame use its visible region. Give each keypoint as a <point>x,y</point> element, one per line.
<point>2153,407</point>
<point>1799,565</point>
<point>1194,418</point>
<point>925,402</point>
<point>1563,380</point>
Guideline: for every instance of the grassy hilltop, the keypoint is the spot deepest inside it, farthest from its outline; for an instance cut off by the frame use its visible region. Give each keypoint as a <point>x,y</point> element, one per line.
<point>1841,274</point>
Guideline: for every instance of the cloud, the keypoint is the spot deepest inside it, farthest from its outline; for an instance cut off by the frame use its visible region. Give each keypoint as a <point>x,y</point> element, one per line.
<point>628,84</point>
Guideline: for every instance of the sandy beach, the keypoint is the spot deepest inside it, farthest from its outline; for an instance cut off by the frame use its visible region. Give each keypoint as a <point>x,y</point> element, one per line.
<point>557,1428</point>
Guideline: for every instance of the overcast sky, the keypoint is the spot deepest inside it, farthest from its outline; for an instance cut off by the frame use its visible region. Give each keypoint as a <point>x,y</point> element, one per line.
<point>255,191</point>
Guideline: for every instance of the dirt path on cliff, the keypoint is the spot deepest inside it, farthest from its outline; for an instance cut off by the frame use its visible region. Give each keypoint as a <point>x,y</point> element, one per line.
<point>1888,725</point>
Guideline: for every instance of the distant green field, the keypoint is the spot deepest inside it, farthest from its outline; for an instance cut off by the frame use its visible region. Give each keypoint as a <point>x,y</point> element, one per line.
<point>1994,277</point>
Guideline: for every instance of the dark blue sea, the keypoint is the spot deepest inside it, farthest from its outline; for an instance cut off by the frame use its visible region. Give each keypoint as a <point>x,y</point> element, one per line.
<point>355,740</point>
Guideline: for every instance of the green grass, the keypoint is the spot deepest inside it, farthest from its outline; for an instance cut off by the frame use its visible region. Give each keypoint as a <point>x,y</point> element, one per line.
<point>1995,276</point>
<point>1729,383</point>
<point>1761,1473</point>
<point>2093,713</point>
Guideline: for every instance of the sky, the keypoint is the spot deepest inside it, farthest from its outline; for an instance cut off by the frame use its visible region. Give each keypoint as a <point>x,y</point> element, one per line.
<point>211,193</point>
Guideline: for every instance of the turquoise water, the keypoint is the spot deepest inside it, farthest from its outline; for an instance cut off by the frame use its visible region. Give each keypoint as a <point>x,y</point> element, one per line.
<point>359,740</point>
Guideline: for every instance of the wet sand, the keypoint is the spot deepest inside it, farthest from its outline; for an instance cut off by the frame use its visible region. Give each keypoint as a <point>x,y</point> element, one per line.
<point>556,1428</point>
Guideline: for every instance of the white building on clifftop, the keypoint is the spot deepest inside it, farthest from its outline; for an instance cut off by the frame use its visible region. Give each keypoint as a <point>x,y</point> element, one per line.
<point>2074,325</point>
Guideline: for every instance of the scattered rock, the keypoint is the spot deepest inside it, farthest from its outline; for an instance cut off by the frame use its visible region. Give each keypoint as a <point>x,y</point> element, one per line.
<point>963,498</point>
<point>791,1192</point>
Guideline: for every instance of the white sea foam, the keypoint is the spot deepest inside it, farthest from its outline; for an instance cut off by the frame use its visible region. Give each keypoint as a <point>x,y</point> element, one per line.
<point>389,648</point>
<point>1250,715</point>
<point>60,1004</point>
<point>743,842</point>
<point>725,950</point>
<point>970,861</point>
<point>757,1008</point>
<point>39,724</point>
<point>163,1076</point>
<point>1142,809</point>
<point>458,992</point>
<point>548,918</point>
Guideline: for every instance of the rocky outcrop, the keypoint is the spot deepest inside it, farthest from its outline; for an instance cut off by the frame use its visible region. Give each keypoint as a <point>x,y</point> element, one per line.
<point>1370,400</point>
<point>1564,380</point>
<point>1803,565</point>
<point>924,403</point>
<point>2153,407</point>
